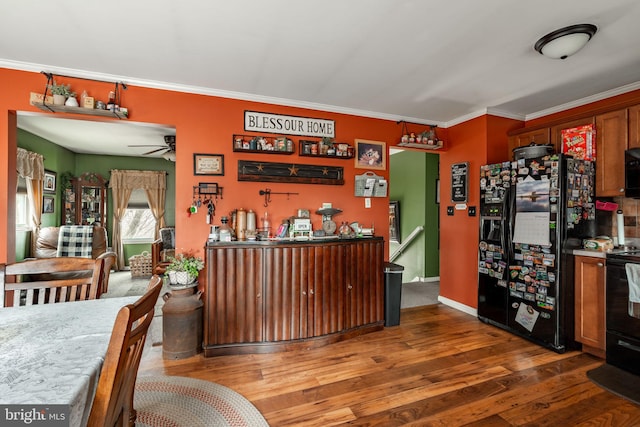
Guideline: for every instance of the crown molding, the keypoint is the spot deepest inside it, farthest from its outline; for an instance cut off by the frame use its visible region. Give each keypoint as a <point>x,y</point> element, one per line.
<point>583,101</point>
<point>198,90</point>
<point>84,74</point>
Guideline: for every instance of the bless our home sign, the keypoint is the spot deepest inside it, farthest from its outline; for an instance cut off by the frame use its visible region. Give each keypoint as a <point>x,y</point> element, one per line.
<point>288,125</point>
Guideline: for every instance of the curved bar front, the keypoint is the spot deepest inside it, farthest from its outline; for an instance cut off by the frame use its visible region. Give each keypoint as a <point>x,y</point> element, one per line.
<point>271,296</point>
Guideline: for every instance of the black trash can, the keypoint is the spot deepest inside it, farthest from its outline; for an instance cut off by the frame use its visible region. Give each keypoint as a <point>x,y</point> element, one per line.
<point>392,293</point>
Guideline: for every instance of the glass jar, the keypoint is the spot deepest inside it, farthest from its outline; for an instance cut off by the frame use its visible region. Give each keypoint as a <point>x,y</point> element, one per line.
<point>225,231</point>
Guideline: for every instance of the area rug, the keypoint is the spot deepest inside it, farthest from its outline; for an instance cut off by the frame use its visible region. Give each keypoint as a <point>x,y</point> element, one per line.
<point>617,381</point>
<point>180,401</point>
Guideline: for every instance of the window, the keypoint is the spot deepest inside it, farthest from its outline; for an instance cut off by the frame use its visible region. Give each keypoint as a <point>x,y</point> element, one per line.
<point>138,224</point>
<point>23,207</point>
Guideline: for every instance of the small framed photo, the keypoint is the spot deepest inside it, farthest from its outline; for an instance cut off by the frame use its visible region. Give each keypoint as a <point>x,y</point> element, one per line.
<point>49,182</point>
<point>208,164</point>
<point>47,204</point>
<point>371,154</point>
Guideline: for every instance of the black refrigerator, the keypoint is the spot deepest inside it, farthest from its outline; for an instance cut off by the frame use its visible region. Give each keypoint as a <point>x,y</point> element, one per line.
<point>550,209</point>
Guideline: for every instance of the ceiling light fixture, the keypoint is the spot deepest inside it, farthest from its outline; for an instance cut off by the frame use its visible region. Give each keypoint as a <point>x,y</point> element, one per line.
<point>566,41</point>
<point>170,156</point>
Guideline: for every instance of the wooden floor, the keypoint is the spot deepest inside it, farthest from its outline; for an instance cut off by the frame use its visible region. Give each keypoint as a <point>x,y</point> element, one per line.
<point>439,367</point>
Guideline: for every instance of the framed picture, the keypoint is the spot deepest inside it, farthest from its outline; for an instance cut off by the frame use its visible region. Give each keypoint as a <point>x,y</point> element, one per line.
<point>47,204</point>
<point>371,154</point>
<point>49,182</point>
<point>208,164</point>
<point>394,221</point>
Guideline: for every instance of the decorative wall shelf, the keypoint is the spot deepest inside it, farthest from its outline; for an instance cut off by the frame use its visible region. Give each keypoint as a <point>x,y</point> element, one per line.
<point>306,151</point>
<point>421,146</point>
<point>54,108</point>
<point>78,110</point>
<point>290,172</point>
<point>262,144</point>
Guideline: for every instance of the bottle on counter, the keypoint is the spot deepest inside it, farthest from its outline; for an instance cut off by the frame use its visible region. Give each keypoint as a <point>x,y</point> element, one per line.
<point>83,98</point>
<point>224,232</point>
<point>266,225</point>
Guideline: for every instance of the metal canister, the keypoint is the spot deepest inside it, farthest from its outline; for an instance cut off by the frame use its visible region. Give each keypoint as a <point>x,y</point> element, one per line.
<point>181,322</point>
<point>241,224</point>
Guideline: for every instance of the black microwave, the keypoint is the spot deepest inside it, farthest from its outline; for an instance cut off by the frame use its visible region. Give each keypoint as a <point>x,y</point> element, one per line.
<point>632,173</point>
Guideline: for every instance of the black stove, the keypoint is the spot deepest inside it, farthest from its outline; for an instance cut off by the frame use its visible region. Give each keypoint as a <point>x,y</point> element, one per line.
<point>624,254</point>
<point>622,314</point>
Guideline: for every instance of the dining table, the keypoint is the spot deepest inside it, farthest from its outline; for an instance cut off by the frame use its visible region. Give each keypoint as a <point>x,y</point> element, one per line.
<point>52,354</point>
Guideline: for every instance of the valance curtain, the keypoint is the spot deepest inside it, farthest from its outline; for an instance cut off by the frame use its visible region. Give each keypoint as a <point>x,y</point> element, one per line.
<point>30,166</point>
<point>122,184</point>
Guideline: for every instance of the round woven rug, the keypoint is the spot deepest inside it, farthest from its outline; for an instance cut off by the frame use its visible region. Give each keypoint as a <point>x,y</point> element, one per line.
<point>180,401</point>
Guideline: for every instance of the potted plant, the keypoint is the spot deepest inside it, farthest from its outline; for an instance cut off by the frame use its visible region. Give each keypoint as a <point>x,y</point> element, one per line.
<point>184,268</point>
<point>60,92</point>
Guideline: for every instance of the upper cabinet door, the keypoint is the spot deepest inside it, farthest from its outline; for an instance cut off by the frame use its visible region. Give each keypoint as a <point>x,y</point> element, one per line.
<point>556,131</point>
<point>634,126</point>
<point>537,136</point>
<point>611,143</point>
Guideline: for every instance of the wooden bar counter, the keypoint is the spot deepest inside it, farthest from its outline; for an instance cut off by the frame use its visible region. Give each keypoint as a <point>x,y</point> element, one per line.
<point>270,296</point>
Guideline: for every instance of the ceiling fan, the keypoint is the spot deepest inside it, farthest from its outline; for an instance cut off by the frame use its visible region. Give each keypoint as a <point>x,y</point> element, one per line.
<point>168,149</point>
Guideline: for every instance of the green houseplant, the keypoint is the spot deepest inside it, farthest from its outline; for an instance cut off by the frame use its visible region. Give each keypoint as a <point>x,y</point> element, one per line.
<point>60,92</point>
<point>184,268</point>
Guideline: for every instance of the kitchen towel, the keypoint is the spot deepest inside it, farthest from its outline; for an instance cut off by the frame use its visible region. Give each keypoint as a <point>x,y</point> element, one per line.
<point>633,278</point>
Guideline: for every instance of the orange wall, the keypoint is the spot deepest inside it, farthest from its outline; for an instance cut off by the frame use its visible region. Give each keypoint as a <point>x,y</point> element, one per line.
<point>479,141</point>
<point>205,124</point>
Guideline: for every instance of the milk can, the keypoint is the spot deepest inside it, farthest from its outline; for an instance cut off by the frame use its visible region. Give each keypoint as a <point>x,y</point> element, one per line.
<point>181,322</point>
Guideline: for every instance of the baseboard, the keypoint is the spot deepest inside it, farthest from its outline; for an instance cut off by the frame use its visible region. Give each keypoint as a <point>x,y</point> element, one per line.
<point>458,306</point>
<point>426,279</point>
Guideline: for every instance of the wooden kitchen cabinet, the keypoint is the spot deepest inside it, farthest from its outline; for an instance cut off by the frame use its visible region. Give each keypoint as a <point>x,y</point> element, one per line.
<point>556,131</point>
<point>270,295</point>
<point>590,327</point>
<point>536,136</point>
<point>634,126</point>
<point>611,143</point>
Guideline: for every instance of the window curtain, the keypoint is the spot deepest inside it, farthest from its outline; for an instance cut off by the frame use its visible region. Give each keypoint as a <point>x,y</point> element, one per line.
<point>30,166</point>
<point>122,184</point>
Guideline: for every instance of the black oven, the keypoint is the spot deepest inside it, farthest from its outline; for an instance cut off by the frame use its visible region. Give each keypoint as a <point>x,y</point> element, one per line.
<point>622,315</point>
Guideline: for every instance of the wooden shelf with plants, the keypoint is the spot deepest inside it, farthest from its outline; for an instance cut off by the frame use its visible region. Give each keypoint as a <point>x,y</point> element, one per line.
<point>429,146</point>
<point>79,110</point>
<point>262,144</point>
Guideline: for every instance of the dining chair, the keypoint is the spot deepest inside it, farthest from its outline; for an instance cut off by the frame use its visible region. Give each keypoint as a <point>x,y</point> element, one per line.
<point>113,402</point>
<point>51,280</point>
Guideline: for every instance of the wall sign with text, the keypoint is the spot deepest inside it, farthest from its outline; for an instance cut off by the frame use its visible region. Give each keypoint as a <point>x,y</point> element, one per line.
<point>459,182</point>
<point>255,121</point>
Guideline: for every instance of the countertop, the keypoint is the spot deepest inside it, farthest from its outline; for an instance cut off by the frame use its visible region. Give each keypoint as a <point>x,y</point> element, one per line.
<point>289,241</point>
<point>589,252</point>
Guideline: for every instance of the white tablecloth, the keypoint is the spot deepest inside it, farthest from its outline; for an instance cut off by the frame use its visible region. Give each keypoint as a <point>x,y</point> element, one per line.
<point>53,353</point>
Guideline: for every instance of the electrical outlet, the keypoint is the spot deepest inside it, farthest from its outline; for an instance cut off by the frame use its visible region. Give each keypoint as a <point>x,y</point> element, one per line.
<point>450,210</point>
<point>472,211</point>
<point>367,202</point>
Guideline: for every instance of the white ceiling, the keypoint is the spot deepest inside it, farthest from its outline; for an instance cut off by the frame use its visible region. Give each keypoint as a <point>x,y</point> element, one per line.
<point>428,61</point>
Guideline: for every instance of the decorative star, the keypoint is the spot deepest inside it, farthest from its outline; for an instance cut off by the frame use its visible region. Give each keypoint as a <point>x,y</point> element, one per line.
<point>260,167</point>
<point>293,170</point>
<point>325,171</point>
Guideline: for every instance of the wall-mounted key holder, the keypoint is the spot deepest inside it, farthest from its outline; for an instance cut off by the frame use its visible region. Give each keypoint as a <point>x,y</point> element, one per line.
<point>205,193</point>
<point>370,185</point>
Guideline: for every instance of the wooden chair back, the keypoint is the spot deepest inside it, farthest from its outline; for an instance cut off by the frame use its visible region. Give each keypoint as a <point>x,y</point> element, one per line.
<point>51,280</point>
<point>113,402</point>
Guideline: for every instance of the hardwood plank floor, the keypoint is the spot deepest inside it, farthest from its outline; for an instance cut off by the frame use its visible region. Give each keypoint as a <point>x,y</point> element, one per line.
<point>439,367</point>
